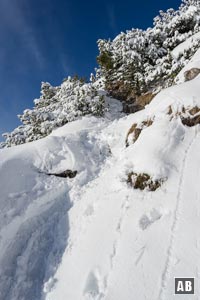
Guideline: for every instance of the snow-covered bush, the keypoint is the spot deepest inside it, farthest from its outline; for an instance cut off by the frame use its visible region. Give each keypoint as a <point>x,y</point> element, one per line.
<point>142,60</point>
<point>56,107</point>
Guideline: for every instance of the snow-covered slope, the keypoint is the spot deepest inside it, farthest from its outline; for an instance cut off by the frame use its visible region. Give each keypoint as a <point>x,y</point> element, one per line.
<point>95,237</point>
<point>185,45</point>
<point>193,63</point>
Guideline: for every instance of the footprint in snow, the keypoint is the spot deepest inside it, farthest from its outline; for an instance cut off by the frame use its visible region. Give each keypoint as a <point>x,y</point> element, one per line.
<point>89,210</point>
<point>147,220</point>
<point>93,287</point>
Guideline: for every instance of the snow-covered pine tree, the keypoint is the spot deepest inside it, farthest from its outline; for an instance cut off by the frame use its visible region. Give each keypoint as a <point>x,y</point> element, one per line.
<point>56,107</point>
<point>141,60</point>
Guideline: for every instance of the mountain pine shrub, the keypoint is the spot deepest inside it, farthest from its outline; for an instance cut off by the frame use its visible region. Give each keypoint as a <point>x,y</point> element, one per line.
<point>56,107</point>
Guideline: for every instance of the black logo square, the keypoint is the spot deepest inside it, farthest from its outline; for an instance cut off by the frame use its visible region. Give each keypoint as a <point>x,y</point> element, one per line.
<point>184,286</point>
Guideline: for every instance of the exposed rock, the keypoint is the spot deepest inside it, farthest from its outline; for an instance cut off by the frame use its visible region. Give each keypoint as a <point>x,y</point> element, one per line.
<point>145,99</point>
<point>131,107</point>
<point>195,110</point>
<point>136,103</point>
<point>147,123</point>
<point>132,101</point>
<point>136,130</point>
<point>191,74</point>
<point>136,133</point>
<point>121,91</point>
<point>65,174</point>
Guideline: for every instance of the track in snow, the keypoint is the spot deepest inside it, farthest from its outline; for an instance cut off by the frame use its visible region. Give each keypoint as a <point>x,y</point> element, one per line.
<point>170,259</point>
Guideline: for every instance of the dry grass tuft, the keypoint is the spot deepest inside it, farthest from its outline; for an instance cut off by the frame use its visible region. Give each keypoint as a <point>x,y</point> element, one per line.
<point>189,116</point>
<point>190,122</point>
<point>143,181</point>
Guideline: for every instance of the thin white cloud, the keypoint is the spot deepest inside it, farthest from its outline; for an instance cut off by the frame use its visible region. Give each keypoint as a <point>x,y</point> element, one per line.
<point>112,17</point>
<point>64,62</point>
<point>13,18</point>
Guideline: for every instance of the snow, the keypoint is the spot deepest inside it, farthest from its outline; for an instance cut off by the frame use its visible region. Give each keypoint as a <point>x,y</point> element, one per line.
<point>94,237</point>
<point>34,207</point>
<point>193,63</point>
<point>185,45</point>
<point>140,240</point>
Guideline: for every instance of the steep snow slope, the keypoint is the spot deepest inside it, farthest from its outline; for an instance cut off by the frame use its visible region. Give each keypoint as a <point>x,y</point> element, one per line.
<point>193,63</point>
<point>34,206</point>
<point>129,243</point>
<point>94,237</point>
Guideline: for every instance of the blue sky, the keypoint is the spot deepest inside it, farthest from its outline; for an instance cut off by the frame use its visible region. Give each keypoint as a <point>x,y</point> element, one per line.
<point>47,40</point>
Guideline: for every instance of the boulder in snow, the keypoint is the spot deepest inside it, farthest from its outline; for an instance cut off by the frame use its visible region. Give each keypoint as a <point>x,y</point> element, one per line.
<point>191,74</point>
